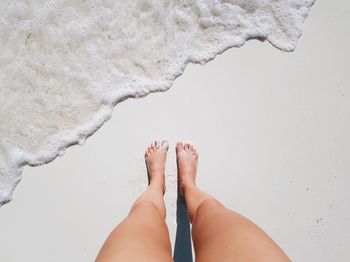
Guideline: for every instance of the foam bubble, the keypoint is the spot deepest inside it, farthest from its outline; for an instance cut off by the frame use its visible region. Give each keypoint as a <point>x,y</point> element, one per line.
<point>64,64</point>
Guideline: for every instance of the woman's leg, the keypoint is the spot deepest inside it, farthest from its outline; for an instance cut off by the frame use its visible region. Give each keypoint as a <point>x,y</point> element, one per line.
<point>218,233</point>
<point>143,235</point>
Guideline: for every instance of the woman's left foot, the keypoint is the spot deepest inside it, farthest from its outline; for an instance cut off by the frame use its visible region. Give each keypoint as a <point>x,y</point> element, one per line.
<point>155,157</point>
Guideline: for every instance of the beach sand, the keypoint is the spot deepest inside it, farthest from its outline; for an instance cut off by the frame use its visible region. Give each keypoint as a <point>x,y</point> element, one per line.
<point>272,129</point>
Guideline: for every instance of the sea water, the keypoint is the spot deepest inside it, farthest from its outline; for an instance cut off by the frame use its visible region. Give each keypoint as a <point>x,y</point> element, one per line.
<point>65,64</point>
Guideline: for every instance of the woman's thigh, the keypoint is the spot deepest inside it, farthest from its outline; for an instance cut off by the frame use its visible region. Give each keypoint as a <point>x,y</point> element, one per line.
<point>220,234</point>
<point>142,236</point>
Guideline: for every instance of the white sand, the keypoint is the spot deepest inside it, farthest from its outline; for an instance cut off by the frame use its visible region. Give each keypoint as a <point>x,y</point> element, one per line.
<point>273,133</point>
<point>65,64</point>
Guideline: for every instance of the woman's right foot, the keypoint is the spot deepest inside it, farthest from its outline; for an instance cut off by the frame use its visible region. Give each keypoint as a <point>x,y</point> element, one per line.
<point>187,161</point>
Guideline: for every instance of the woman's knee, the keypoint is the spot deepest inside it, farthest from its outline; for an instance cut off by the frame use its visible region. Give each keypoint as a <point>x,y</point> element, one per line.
<point>208,207</point>
<point>144,218</point>
<point>145,206</point>
<point>151,217</point>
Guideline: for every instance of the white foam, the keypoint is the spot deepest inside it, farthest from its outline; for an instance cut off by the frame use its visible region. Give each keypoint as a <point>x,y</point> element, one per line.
<point>64,64</point>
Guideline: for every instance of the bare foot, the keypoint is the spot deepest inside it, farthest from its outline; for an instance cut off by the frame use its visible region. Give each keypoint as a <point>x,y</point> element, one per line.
<point>155,157</point>
<point>187,160</point>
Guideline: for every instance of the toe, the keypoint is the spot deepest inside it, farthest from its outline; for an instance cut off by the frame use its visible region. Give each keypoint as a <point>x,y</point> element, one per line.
<point>179,147</point>
<point>148,152</point>
<point>158,144</point>
<point>191,147</point>
<point>194,152</point>
<point>165,145</point>
<point>187,146</point>
<point>153,144</point>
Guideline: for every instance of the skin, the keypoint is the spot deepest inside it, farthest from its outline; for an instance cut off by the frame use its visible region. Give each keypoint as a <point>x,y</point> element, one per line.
<point>218,233</point>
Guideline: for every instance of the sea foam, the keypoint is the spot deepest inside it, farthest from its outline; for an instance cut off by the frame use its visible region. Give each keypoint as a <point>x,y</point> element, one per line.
<point>65,64</point>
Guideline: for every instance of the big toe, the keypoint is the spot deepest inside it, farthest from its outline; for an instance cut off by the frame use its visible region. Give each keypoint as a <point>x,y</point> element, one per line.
<point>165,145</point>
<point>179,147</point>
<point>153,145</point>
<point>157,144</point>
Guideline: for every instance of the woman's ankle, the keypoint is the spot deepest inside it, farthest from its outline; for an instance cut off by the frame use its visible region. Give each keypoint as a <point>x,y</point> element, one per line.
<point>157,184</point>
